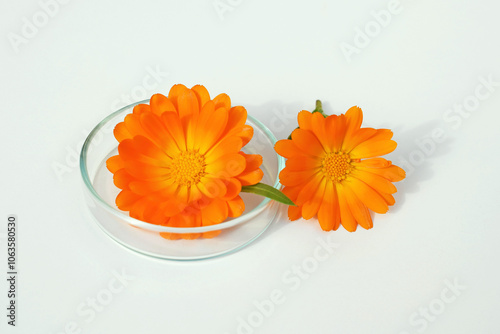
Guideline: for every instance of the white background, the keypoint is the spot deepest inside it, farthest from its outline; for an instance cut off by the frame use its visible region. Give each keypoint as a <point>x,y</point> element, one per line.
<point>275,58</point>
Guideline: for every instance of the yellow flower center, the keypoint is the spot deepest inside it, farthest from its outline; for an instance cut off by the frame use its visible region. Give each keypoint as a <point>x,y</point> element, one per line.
<point>336,165</point>
<point>188,168</point>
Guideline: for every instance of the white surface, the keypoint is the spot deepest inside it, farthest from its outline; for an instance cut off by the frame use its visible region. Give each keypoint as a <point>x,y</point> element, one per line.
<point>275,58</point>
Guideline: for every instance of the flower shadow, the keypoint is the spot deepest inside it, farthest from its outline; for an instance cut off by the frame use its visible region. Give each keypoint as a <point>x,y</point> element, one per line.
<point>418,148</point>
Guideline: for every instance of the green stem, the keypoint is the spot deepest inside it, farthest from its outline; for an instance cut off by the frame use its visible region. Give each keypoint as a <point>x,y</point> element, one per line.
<point>319,108</point>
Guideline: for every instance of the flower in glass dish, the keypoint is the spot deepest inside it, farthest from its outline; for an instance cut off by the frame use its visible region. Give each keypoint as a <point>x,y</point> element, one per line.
<point>334,170</point>
<point>180,161</point>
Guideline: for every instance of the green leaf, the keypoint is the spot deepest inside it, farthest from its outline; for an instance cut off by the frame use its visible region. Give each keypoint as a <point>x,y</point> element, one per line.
<point>268,191</point>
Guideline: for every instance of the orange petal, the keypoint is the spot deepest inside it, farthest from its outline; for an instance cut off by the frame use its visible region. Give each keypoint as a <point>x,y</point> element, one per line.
<point>170,236</point>
<point>372,199</point>
<point>236,206</point>
<point>227,166</point>
<point>181,220</point>
<point>370,148</point>
<point>225,146</point>
<point>233,189</point>
<point>195,194</point>
<point>358,209</point>
<point>392,173</point>
<point>184,220</point>
<point>149,149</point>
<point>213,129</point>
<point>126,199</point>
<point>141,108</point>
<point>160,103</point>
<point>158,133</point>
<point>175,92</point>
<point>253,161</point>
<point>201,94</point>
<point>294,212</point>
<point>133,124</point>
<point>287,148</point>
<point>138,208</point>
<point>336,127</point>
<point>246,134</point>
<point>295,178</point>
<point>154,212</point>
<point>292,192</point>
<point>329,211</point>
<point>189,112</point>
<point>168,190</point>
<point>307,142</point>
<point>121,132</point>
<point>318,123</point>
<point>382,134</point>
<point>202,122</point>
<point>129,150</point>
<point>309,190</point>
<point>354,118</point>
<point>122,179</point>
<point>378,183</point>
<point>188,105</point>
<point>114,163</point>
<point>311,207</point>
<point>211,234</point>
<point>251,178</point>
<point>237,117</point>
<point>212,187</point>
<point>173,124</point>
<point>172,207</point>
<point>214,213</point>
<point>222,101</point>
<point>373,163</point>
<point>346,217</point>
<point>358,137</point>
<point>302,163</point>
<point>147,187</point>
<point>182,194</point>
<point>389,199</point>
<point>304,119</point>
<point>145,171</point>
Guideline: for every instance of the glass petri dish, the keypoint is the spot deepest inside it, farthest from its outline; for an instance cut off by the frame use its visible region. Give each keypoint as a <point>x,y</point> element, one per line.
<point>100,194</point>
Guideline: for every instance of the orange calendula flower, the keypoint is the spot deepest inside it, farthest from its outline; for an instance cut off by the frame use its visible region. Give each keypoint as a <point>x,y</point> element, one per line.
<point>180,162</point>
<point>333,170</point>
